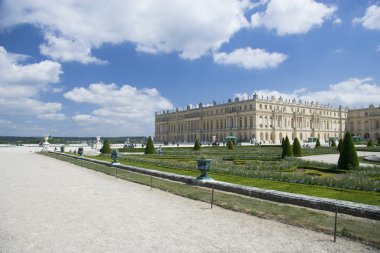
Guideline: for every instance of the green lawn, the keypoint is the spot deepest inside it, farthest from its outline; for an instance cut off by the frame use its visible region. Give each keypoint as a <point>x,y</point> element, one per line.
<point>365,197</point>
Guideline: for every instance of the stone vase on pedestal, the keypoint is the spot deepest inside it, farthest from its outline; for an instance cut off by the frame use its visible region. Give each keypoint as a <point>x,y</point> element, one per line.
<point>98,145</point>
<point>204,166</point>
<point>46,144</point>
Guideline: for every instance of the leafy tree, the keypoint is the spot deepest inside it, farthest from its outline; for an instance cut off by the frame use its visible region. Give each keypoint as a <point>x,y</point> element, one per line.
<point>297,148</point>
<point>348,157</point>
<point>230,145</point>
<point>197,145</point>
<point>106,149</point>
<point>370,143</point>
<point>339,148</point>
<point>287,149</point>
<point>318,144</point>
<point>149,149</point>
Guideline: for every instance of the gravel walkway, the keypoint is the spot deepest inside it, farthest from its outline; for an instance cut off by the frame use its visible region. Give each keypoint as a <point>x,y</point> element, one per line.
<point>48,205</point>
<point>333,158</point>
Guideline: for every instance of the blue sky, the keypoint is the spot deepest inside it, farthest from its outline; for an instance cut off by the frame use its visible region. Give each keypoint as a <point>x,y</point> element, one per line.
<point>104,67</point>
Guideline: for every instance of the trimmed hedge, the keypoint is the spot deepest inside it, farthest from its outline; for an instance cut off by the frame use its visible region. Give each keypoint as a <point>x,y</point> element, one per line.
<point>348,157</point>
<point>149,149</point>
<point>297,148</point>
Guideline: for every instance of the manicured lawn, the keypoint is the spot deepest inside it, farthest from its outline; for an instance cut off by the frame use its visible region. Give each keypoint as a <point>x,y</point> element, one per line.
<point>365,197</point>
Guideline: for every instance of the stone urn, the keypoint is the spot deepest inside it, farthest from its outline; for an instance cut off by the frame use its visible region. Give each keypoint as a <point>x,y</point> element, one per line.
<point>204,166</point>
<point>115,156</point>
<point>45,144</point>
<point>97,144</point>
<point>80,151</point>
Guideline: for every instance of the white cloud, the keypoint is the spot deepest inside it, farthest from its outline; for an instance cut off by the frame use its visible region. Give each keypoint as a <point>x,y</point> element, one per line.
<point>27,106</point>
<point>127,109</point>
<point>52,116</point>
<point>347,93</point>
<point>20,84</point>
<point>337,21</point>
<point>65,49</point>
<point>192,28</point>
<point>292,16</point>
<point>249,58</point>
<point>7,124</point>
<point>371,19</point>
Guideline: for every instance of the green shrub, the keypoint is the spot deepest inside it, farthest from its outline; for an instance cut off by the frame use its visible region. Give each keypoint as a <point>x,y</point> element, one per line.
<point>339,148</point>
<point>230,145</point>
<point>370,143</point>
<point>287,149</point>
<point>318,144</point>
<point>348,157</point>
<point>106,149</point>
<point>197,145</point>
<point>149,149</point>
<point>333,144</point>
<point>297,148</point>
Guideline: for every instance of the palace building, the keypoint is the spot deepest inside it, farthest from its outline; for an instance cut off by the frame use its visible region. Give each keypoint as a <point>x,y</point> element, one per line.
<point>365,122</point>
<point>265,120</point>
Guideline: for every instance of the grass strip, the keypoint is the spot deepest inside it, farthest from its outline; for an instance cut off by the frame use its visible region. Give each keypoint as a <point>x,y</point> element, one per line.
<point>361,229</point>
<point>364,197</point>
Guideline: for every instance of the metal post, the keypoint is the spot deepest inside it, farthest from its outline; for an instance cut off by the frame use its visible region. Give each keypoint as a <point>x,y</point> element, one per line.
<point>151,182</point>
<point>336,219</point>
<point>212,197</point>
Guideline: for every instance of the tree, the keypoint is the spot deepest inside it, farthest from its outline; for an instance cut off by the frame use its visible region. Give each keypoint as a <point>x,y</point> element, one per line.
<point>348,157</point>
<point>318,144</point>
<point>230,144</point>
<point>282,142</point>
<point>287,149</point>
<point>339,148</point>
<point>370,143</point>
<point>297,148</point>
<point>106,149</point>
<point>149,149</point>
<point>197,145</point>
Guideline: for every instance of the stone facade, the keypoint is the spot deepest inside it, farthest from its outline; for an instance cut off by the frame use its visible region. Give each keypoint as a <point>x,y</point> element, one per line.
<point>364,122</point>
<point>264,120</point>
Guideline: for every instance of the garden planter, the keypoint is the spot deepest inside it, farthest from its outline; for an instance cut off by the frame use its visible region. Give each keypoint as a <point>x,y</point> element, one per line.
<point>203,166</point>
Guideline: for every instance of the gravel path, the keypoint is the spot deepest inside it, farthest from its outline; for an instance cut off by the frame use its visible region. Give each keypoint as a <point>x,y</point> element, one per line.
<point>48,205</point>
<point>333,158</point>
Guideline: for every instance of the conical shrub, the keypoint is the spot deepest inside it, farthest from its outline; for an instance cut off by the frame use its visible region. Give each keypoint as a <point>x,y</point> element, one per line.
<point>297,148</point>
<point>230,145</point>
<point>197,145</point>
<point>339,148</point>
<point>370,143</point>
<point>318,144</point>
<point>348,157</point>
<point>149,149</point>
<point>287,149</point>
<point>106,149</point>
<point>333,144</point>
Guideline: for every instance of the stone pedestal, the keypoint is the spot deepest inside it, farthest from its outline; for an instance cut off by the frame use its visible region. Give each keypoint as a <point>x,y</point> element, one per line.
<point>98,144</point>
<point>46,144</point>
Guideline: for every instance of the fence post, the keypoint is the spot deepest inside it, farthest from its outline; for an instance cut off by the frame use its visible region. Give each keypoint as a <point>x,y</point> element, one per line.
<point>212,196</point>
<point>336,219</point>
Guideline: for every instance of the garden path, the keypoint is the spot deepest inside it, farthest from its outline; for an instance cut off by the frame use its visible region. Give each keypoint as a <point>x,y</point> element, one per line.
<point>47,205</point>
